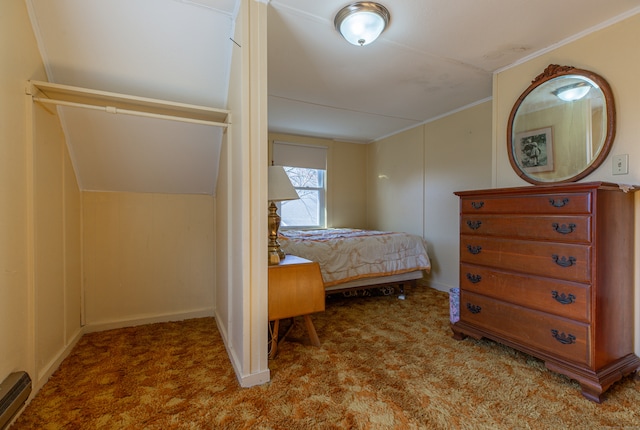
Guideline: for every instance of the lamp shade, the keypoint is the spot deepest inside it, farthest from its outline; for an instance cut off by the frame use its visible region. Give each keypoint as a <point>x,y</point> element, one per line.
<point>280,187</point>
<point>361,23</point>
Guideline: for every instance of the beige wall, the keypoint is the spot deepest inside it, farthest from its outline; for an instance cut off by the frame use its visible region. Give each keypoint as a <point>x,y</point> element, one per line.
<point>457,157</point>
<point>612,53</point>
<point>39,216</point>
<point>395,180</point>
<point>412,176</point>
<point>72,249</point>
<point>146,257</point>
<point>56,227</point>
<point>20,61</point>
<point>346,181</point>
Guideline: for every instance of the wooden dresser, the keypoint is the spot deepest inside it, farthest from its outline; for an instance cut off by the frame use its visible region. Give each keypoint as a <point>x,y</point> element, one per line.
<point>548,270</point>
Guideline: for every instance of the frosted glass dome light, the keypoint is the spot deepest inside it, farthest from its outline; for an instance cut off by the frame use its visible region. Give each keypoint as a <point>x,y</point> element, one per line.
<point>572,92</point>
<point>361,23</point>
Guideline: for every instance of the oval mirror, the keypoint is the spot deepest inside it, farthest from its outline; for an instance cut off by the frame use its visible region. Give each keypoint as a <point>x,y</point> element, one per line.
<point>562,127</point>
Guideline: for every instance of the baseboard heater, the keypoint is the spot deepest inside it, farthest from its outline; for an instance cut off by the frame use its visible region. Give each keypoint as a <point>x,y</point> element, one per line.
<point>14,392</point>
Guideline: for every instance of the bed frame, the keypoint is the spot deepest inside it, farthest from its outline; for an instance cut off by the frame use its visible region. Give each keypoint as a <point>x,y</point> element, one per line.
<point>401,279</point>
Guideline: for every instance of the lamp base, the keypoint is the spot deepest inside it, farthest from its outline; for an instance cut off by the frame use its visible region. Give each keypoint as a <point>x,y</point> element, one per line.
<point>274,258</point>
<point>276,254</point>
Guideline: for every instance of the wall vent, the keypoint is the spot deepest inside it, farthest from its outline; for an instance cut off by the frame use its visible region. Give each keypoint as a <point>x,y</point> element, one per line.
<point>14,392</point>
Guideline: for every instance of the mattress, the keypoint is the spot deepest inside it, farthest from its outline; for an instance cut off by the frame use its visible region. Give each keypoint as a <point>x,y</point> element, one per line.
<point>347,255</point>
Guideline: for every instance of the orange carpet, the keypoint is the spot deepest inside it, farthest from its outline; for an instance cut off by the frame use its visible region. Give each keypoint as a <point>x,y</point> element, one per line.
<point>384,363</point>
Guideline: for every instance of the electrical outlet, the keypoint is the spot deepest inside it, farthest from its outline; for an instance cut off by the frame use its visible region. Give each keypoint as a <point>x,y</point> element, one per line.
<point>621,164</point>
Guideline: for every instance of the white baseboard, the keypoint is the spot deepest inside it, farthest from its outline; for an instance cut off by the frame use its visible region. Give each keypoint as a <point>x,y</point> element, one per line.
<point>245,381</point>
<point>47,370</point>
<point>142,320</point>
<point>255,379</point>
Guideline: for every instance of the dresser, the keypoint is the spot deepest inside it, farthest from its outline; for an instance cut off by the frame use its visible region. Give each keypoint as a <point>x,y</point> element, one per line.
<point>548,270</point>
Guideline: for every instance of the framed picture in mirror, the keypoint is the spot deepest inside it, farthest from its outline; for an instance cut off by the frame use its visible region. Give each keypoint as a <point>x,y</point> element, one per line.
<point>535,150</point>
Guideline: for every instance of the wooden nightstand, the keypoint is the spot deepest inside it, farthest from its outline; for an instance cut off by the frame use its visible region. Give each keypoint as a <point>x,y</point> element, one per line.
<point>295,289</point>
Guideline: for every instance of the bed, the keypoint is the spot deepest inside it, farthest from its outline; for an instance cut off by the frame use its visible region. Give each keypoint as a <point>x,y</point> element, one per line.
<point>356,259</point>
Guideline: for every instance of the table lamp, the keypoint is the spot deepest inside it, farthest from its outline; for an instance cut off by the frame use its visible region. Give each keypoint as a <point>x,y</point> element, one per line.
<point>280,189</point>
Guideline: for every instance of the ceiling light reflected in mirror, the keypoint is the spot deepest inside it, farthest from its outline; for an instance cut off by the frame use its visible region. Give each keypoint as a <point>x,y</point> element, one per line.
<point>572,92</point>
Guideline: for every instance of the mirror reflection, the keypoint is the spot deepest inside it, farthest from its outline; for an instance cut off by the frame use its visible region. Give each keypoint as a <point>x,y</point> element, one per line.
<point>562,127</point>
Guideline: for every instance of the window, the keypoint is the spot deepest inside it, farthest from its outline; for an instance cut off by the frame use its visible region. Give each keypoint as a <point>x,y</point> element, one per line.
<point>306,167</point>
<point>309,210</point>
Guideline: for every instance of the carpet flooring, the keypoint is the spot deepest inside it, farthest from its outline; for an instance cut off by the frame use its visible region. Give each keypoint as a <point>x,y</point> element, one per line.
<point>384,363</point>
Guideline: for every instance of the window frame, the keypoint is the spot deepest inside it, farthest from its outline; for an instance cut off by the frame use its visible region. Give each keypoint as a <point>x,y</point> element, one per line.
<point>322,206</point>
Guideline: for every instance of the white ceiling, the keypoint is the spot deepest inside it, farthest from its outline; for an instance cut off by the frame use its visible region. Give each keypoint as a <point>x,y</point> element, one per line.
<point>436,56</point>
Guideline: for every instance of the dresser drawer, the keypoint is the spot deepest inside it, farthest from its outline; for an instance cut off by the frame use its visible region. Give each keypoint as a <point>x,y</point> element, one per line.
<point>569,262</point>
<point>573,228</point>
<point>554,335</point>
<point>567,299</point>
<point>557,204</point>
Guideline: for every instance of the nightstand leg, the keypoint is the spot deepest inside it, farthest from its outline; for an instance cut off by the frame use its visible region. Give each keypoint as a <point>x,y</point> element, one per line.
<point>273,350</point>
<point>313,336</point>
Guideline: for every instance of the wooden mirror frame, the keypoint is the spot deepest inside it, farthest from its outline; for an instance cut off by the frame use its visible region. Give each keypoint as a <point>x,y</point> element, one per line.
<point>551,72</point>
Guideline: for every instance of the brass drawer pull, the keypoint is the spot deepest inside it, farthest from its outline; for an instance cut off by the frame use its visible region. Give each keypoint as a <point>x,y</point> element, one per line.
<point>566,339</point>
<point>564,228</point>
<point>474,225</point>
<point>474,249</point>
<point>563,298</point>
<point>477,205</point>
<point>474,279</point>
<point>474,309</point>
<point>564,261</point>
<point>558,203</point>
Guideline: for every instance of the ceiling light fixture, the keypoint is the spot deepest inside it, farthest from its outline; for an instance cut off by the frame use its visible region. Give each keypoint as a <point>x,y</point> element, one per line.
<point>362,22</point>
<point>572,92</point>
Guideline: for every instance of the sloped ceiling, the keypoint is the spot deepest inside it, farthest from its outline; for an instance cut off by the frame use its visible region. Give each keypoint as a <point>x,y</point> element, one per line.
<point>172,50</point>
<point>436,57</point>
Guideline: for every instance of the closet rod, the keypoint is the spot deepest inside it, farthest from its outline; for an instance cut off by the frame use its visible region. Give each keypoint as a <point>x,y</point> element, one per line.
<point>114,110</point>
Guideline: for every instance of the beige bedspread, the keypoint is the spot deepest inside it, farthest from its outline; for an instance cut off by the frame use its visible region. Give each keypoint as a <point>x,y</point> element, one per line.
<point>349,254</point>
